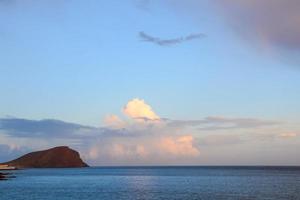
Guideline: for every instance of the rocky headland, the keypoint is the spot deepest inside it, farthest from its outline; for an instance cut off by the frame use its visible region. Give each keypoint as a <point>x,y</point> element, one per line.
<point>57,157</point>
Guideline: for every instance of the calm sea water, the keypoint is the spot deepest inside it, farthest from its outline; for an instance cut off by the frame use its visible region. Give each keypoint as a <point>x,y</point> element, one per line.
<point>153,183</point>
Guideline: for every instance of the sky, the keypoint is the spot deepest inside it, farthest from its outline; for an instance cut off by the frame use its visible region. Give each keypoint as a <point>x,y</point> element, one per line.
<point>152,82</point>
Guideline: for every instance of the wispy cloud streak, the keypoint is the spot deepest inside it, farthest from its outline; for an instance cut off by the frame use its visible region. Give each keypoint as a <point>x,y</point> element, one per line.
<point>221,123</point>
<point>168,42</point>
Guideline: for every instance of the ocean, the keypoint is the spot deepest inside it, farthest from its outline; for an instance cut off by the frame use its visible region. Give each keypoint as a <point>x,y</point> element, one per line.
<point>155,183</point>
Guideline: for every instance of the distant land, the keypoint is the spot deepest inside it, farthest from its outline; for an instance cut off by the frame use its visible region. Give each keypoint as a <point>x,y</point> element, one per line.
<point>57,157</point>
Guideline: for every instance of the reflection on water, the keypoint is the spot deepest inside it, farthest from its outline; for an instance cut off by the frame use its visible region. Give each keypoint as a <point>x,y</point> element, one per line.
<point>154,183</point>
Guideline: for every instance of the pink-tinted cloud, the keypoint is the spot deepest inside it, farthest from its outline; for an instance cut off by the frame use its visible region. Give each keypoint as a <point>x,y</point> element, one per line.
<point>179,146</point>
<point>271,22</point>
<point>114,121</point>
<point>288,135</point>
<point>159,149</point>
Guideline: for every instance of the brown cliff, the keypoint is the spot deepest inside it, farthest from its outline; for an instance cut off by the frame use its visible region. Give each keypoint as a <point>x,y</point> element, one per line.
<point>58,157</point>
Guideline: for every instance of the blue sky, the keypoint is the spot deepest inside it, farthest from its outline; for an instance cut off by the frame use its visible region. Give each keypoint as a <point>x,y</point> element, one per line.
<point>80,61</point>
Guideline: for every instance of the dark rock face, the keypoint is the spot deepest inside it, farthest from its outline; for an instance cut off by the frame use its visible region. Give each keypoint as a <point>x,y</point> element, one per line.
<point>58,157</point>
<point>2,177</point>
<point>6,176</point>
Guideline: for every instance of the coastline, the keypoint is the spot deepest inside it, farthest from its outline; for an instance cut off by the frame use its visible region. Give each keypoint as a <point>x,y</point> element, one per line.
<point>6,176</point>
<point>7,167</point>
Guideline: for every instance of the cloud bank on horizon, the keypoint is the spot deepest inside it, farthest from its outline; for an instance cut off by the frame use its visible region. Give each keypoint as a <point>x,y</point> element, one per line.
<point>139,136</point>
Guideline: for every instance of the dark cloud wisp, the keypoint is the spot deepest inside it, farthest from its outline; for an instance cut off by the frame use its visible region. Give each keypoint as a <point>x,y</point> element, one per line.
<point>51,128</point>
<point>40,128</point>
<point>168,42</point>
<point>142,4</point>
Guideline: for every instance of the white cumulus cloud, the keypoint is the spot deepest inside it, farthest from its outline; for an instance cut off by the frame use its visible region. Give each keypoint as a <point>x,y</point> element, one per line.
<point>138,109</point>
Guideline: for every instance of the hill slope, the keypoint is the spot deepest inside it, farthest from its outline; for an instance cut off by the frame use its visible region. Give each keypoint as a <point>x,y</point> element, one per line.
<point>58,157</point>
